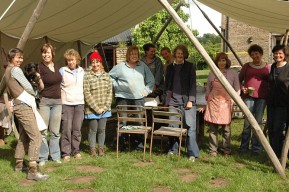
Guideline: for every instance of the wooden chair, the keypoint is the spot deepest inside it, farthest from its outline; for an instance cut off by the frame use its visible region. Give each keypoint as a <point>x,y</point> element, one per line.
<point>162,115</point>
<point>132,119</point>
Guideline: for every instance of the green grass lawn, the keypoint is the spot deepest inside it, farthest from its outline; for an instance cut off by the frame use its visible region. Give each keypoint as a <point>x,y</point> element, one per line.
<point>165,173</point>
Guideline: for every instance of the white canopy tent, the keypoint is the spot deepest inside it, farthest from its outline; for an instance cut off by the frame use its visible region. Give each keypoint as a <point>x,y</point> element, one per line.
<point>270,15</point>
<point>92,21</point>
<point>77,24</point>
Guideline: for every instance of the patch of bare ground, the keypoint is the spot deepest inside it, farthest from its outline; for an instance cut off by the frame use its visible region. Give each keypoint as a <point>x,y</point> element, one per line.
<point>239,165</point>
<point>219,182</point>
<point>189,177</point>
<point>90,168</point>
<point>160,189</point>
<point>80,190</point>
<point>183,170</point>
<point>82,179</point>
<point>26,182</point>
<point>50,169</point>
<point>142,163</point>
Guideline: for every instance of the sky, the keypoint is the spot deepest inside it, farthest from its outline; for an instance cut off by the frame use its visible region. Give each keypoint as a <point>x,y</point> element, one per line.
<point>199,22</point>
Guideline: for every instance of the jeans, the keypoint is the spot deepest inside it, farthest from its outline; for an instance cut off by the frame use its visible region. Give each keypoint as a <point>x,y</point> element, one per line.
<point>96,126</point>
<point>50,110</point>
<point>72,118</point>
<point>277,125</point>
<point>189,118</point>
<point>257,107</point>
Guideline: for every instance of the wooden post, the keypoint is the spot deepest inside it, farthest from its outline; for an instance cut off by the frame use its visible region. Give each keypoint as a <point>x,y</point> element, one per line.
<point>286,37</point>
<point>31,23</point>
<point>285,151</point>
<point>221,35</point>
<point>228,87</point>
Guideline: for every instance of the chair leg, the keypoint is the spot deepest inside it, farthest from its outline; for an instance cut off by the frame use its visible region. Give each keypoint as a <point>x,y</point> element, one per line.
<point>129,142</point>
<point>151,146</point>
<point>144,147</point>
<point>117,142</point>
<point>161,143</point>
<point>180,146</point>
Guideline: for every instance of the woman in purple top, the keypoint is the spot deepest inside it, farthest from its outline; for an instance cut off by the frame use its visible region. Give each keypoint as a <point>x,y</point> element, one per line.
<point>50,106</point>
<point>254,75</point>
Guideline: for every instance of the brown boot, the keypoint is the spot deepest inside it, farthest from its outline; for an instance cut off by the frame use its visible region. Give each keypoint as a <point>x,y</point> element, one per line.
<point>92,152</point>
<point>33,173</point>
<point>101,151</point>
<point>19,165</point>
<point>2,136</point>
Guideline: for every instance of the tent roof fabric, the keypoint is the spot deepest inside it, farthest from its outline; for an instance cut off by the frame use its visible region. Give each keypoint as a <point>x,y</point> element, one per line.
<point>90,21</point>
<point>270,15</point>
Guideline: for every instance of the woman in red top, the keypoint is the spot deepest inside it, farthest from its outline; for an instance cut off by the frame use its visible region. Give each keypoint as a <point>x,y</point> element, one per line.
<point>254,75</point>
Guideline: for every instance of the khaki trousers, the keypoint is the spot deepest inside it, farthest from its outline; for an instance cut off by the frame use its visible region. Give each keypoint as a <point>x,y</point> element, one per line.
<point>213,138</point>
<point>29,135</point>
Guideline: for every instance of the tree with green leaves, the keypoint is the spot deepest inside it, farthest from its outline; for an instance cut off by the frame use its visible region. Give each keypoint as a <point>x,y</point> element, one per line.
<point>147,30</point>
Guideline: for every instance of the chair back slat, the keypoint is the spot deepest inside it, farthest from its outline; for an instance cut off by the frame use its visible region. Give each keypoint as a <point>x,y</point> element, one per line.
<point>131,112</point>
<point>132,119</point>
<point>167,121</point>
<point>166,113</point>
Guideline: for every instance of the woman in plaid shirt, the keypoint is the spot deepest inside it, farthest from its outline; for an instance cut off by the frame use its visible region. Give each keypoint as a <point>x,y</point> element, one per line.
<point>98,97</point>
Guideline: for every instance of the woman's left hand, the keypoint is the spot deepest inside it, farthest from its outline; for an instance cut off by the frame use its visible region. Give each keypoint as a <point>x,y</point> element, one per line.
<point>100,111</point>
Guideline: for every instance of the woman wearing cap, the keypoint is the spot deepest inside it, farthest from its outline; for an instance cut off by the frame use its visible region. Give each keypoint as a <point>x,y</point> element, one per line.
<point>72,105</point>
<point>98,97</point>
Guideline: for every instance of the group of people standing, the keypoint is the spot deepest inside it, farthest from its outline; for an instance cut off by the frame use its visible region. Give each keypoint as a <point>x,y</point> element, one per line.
<point>260,84</point>
<point>70,94</point>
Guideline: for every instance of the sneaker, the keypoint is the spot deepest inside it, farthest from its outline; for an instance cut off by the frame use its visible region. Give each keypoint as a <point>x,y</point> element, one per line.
<point>101,152</point>
<point>227,153</point>
<point>66,159</point>
<point>58,161</point>
<point>213,154</point>
<point>170,153</point>
<point>41,163</point>
<point>93,152</point>
<point>192,158</point>
<point>37,176</point>
<point>77,156</point>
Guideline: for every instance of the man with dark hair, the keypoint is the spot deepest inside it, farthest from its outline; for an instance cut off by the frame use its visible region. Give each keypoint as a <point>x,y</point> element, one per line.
<point>156,66</point>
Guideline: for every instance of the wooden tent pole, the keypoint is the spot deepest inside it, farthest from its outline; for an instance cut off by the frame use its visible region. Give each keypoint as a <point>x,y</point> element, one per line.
<point>166,24</point>
<point>219,33</point>
<point>285,151</point>
<point>228,87</point>
<point>31,23</point>
<point>286,37</point>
